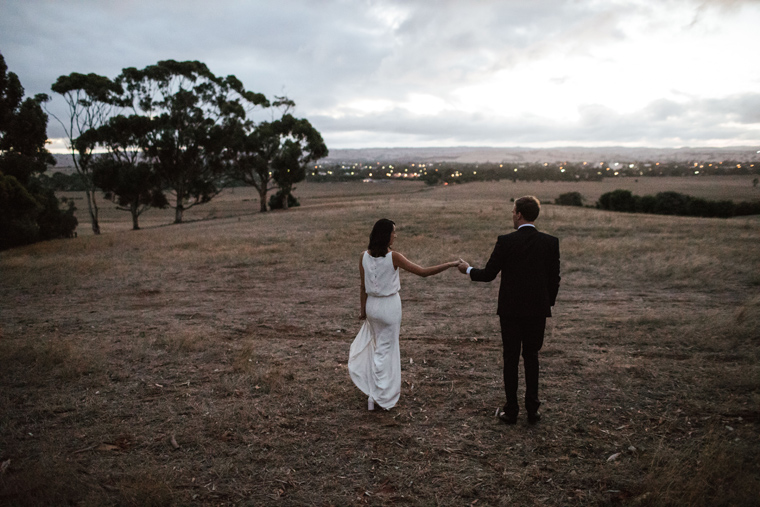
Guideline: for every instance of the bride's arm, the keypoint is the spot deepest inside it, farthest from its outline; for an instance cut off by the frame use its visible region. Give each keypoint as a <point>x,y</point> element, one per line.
<point>399,261</point>
<point>362,292</point>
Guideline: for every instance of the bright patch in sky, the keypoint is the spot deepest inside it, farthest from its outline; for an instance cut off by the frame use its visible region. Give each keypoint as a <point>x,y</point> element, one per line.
<point>423,104</point>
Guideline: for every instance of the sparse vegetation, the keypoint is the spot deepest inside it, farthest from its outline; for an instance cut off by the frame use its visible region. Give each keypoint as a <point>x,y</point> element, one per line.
<point>206,363</point>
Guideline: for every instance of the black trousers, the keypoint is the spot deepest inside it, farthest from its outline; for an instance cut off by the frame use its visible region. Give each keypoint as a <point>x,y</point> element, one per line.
<point>526,333</point>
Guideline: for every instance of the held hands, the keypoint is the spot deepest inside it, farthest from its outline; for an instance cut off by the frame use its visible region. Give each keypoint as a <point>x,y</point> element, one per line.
<point>461,264</point>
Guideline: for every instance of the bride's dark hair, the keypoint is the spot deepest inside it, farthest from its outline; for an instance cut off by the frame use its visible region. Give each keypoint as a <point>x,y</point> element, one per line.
<point>380,237</point>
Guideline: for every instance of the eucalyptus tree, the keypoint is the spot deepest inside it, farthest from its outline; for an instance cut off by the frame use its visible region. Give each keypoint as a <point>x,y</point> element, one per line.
<point>29,210</point>
<point>92,99</point>
<point>273,155</point>
<point>194,115</point>
<point>302,145</point>
<point>122,173</point>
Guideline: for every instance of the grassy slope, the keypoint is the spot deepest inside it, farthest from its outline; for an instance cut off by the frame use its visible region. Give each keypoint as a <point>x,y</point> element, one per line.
<point>230,338</point>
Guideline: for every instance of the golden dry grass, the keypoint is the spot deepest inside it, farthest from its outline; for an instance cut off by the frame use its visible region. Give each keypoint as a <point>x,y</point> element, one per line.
<point>229,337</point>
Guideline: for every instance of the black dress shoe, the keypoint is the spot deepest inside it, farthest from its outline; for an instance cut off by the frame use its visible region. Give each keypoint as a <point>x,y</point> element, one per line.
<point>534,417</point>
<point>507,418</point>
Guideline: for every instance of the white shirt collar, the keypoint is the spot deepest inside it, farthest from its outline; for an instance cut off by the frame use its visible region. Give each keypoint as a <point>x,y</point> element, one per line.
<point>526,225</point>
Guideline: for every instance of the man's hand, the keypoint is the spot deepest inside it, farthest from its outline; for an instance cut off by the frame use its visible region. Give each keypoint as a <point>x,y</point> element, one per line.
<point>463,267</point>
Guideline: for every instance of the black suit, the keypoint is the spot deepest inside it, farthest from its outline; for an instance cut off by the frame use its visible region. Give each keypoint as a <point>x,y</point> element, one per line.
<point>529,264</point>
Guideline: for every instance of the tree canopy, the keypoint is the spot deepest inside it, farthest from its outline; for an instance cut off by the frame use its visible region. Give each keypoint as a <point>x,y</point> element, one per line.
<point>194,114</point>
<point>274,155</point>
<point>91,100</point>
<point>122,173</point>
<point>29,210</point>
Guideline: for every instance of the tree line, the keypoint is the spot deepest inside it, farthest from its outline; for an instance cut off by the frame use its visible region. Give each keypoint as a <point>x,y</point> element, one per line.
<point>171,134</point>
<point>664,203</point>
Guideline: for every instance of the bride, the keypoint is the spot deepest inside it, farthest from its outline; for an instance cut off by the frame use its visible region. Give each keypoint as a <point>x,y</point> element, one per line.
<point>374,361</point>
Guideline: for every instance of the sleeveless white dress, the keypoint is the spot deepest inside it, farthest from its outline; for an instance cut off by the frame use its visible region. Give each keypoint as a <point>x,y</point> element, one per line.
<point>374,361</point>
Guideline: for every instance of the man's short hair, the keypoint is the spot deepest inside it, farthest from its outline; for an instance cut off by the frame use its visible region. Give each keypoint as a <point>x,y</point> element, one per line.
<point>529,206</point>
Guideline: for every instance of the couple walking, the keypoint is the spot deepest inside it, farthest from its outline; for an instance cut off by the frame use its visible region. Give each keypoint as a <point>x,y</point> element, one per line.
<point>529,264</point>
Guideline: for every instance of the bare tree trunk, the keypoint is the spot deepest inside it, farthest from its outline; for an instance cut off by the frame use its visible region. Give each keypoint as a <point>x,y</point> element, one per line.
<point>92,207</point>
<point>285,199</point>
<point>179,209</point>
<point>263,199</point>
<point>135,214</point>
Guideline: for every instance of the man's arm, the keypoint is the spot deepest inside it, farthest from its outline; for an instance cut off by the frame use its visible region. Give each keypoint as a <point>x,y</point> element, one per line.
<point>552,272</point>
<point>493,266</point>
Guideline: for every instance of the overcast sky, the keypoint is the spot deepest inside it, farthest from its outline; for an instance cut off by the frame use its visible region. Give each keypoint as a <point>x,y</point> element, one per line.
<point>405,73</point>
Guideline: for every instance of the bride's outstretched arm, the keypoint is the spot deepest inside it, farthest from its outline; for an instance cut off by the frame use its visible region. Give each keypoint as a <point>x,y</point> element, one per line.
<point>399,261</point>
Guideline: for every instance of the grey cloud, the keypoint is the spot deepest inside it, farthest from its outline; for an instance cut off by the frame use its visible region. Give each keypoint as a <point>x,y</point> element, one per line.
<point>663,109</point>
<point>659,124</point>
<point>744,108</point>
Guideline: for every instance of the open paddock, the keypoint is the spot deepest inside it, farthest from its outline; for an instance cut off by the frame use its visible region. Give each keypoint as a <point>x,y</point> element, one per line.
<point>205,363</point>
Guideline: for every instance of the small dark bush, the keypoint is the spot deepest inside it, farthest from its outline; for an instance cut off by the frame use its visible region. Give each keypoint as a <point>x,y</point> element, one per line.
<point>569,199</point>
<point>671,203</point>
<point>275,201</point>
<point>617,200</point>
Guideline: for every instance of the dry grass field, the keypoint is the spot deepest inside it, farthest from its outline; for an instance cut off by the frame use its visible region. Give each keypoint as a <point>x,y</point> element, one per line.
<point>238,202</point>
<point>205,363</point>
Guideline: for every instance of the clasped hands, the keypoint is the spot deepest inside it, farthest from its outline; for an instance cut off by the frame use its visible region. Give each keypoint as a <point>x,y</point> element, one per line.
<point>460,264</point>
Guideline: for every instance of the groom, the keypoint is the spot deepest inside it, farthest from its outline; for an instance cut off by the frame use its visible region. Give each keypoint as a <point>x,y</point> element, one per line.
<point>529,265</point>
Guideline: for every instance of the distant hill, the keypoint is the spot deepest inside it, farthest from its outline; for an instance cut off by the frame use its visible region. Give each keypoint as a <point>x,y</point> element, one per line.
<point>528,155</point>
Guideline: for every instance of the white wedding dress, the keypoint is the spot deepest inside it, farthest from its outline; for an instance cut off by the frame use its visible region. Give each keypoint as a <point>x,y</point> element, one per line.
<point>374,360</point>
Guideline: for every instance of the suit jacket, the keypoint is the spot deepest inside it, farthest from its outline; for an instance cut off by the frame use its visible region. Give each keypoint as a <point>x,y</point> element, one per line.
<point>529,265</point>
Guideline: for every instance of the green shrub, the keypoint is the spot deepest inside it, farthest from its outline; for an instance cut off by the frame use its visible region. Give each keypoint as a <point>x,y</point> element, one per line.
<point>569,199</point>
